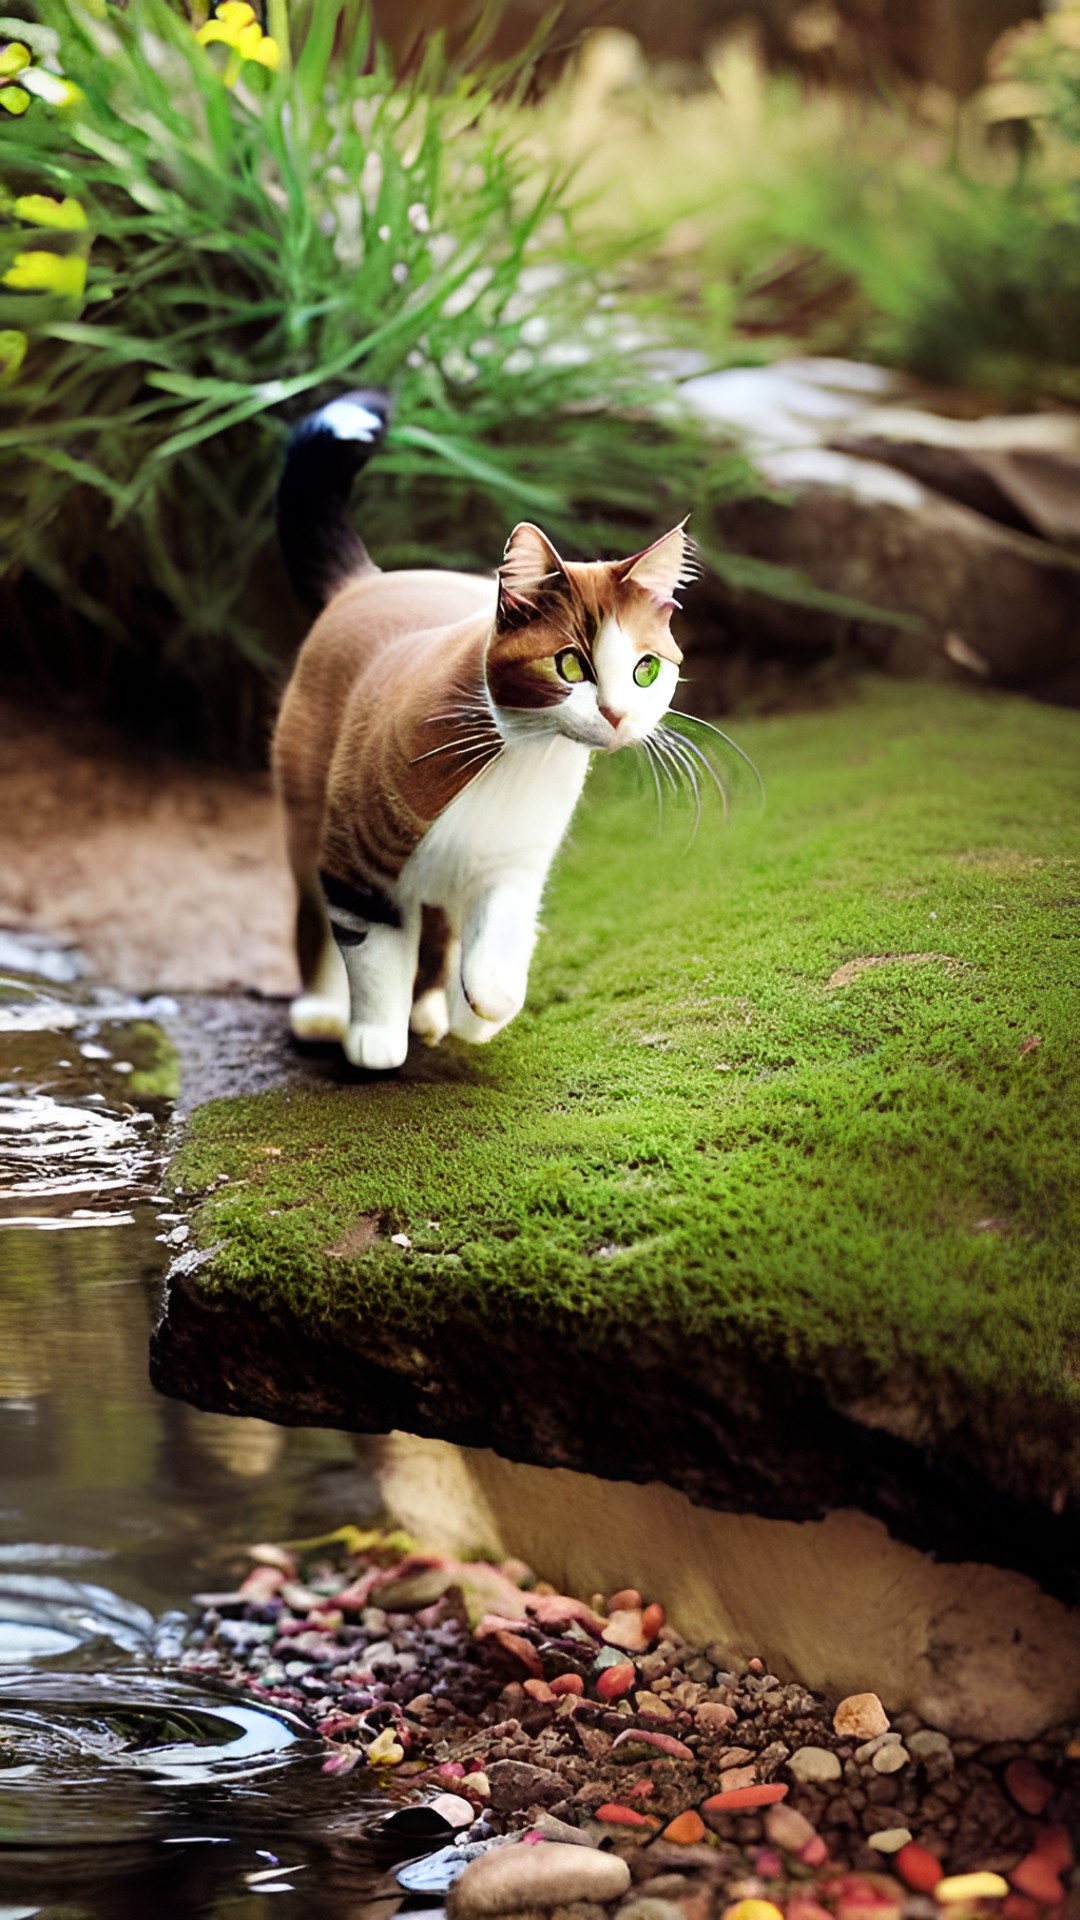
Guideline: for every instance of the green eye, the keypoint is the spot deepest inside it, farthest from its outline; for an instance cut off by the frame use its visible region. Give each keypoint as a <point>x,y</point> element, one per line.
<point>570,666</point>
<point>647,669</point>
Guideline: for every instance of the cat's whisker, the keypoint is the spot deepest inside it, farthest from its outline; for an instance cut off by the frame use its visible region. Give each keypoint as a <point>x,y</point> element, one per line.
<point>694,721</point>
<point>650,761</point>
<point>479,737</point>
<point>663,759</point>
<point>691,775</point>
<point>690,747</point>
<point>486,756</point>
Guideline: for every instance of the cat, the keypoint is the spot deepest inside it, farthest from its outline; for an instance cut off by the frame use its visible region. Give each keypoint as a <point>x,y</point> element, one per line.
<point>432,745</point>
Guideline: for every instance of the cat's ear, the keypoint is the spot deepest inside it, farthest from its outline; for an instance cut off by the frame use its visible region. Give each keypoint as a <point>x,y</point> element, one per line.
<point>664,567</point>
<point>530,568</point>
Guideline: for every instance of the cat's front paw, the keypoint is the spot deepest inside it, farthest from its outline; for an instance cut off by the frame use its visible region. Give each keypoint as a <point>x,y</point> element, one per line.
<point>430,1018</point>
<point>315,1016</point>
<point>379,1049</point>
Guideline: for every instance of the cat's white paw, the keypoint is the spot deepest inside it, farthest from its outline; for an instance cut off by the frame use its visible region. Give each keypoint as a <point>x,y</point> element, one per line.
<point>430,1017</point>
<point>465,1025</point>
<point>315,1016</point>
<point>494,1004</point>
<point>376,1048</point>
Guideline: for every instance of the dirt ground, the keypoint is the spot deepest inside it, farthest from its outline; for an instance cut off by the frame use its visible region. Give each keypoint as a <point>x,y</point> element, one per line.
<point>166,874</point>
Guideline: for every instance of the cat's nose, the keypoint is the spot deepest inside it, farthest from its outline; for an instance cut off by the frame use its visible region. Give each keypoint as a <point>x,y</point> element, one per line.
<point>612,717</point>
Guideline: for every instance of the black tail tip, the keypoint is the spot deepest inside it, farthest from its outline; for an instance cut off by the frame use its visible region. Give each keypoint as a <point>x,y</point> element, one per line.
<point>359,418</point>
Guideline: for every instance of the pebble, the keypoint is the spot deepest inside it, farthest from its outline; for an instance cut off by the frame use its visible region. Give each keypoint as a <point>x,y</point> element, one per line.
<point>741,1798</point>
<point>1035,1874</point>
<point>612,1682</point>
<point>1054,1845</point>
<point>650,1906</point>
<point>514,1784</point>
<point>918,1868</point>
<point>453,1809</point>
<point>552,1829</point>
<point>814,1763</point>
<point>651,1704</point>
<point>614,1815</point>
<point>752,1910</point>
<point>625,1630</point>
<point>889,1839</point>
<point>970,1886</point>
<point>787,1828</point>
<point>870,1747</point>
<point>714,1714</point>
<point>652,1619</point>
<point>735,1779</point>
<point>1028,1787</point>
<point>687,1829</point>
<point>549,1874</point>
<point>927,1745</point>
<point>860,1717</point>
<point>890,1759</point>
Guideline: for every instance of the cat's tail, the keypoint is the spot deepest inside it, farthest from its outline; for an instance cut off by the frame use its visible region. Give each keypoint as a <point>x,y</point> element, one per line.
<point>320,546</point>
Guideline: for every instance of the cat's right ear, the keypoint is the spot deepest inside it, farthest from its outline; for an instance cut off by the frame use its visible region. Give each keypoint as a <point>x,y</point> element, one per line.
<point>530,569</point>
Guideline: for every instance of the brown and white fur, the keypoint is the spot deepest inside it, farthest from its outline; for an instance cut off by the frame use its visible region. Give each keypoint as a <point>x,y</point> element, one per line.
<point>431,748</point>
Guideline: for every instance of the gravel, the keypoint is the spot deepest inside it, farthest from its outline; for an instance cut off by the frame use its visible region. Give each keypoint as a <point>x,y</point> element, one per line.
<point>429,1677</point>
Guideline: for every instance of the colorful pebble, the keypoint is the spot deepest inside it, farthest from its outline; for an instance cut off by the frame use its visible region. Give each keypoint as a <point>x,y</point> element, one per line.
<point>1028,1787</point>
<point>1055,1845</point>
<point>567,1683</point>
<point>740,1798</point>
<point>686,1829</point>
<point>752,1910</point>
<point>652,1619</point>
<point>918,1868</point>
<point>970,1886</point>
<point>1035,1875</point>
<point>613,1682</point>
<point>615,1816</point>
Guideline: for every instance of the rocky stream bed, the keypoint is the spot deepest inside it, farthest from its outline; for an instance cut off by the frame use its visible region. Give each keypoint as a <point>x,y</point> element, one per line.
<point>627,1769</point>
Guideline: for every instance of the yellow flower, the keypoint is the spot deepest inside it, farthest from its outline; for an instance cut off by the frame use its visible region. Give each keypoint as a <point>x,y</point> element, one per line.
<point>12,354</point>
<point>20,81</point>
<point>40,272</point>
<point>41,210</point>
<point>234,25</point>
<point>14,59</point>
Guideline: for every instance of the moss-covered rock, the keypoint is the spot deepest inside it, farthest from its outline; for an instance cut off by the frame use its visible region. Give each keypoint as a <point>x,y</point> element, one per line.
<point>774,1189</point>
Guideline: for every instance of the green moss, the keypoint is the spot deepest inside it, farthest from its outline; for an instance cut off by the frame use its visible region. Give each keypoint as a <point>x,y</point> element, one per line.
<point>155,1062</point>
<point>696,1127</point>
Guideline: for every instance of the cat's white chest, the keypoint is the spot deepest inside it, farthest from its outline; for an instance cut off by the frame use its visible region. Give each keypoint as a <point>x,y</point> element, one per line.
<point>505,826</point>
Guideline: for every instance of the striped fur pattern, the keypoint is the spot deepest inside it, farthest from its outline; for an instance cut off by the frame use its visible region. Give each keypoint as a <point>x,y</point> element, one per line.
<point>431,748</point>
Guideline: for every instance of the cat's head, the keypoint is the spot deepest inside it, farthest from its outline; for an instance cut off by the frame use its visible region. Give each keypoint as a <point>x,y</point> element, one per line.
<point>584,649</point>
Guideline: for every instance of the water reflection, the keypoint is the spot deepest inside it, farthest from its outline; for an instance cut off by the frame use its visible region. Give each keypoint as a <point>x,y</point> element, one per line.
<point>115,1505</point>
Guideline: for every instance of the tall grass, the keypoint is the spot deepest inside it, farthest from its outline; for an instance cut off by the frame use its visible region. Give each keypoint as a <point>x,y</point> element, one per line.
<point>253,239</point>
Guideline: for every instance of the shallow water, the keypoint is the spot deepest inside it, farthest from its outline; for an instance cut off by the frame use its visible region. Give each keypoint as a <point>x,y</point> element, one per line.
<point>124,1790</point>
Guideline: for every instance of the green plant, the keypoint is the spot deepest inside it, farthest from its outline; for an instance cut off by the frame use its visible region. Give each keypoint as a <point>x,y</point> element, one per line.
<point>762,216</point>
<point>260,230</point>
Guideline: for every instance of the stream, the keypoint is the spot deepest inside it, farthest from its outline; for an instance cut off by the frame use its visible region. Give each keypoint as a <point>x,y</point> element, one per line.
<point>125,1789</point>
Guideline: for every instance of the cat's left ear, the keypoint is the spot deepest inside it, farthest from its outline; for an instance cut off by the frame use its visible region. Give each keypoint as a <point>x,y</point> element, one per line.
<point>531,567</point>
<point>664,567</point>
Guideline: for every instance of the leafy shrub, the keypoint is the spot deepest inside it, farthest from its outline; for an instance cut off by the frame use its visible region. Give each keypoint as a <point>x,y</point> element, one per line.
<point>247,234</point>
